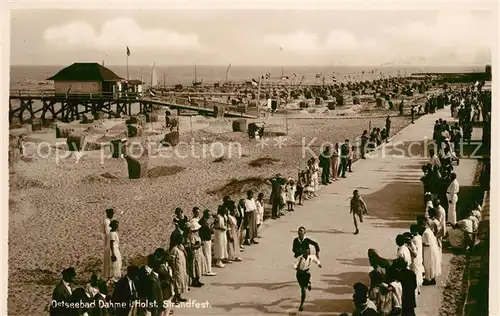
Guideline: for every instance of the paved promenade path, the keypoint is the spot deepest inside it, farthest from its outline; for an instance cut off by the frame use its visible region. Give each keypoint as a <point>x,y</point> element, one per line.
<point>264,283</point>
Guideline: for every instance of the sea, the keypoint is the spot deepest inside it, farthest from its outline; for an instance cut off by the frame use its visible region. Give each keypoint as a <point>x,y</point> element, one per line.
<point>34,77</point>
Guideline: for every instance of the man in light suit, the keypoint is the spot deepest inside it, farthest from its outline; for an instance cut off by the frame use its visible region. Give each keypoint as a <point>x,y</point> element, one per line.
<point>62,294</point>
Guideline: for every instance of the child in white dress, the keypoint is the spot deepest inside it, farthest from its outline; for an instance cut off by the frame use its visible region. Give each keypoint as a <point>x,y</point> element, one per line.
<point>290,194</point>
<point>260,211</point>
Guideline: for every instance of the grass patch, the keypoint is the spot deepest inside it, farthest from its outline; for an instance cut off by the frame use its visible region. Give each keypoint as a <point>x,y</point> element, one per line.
<point>264,161</point>
<point>236,187</point>
<point>163,171</point>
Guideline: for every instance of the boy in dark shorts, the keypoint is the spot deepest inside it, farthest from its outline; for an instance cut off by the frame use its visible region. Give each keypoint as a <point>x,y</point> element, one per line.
<point>358,208</point>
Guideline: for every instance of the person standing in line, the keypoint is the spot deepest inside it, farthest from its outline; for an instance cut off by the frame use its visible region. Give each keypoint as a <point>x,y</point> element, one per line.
<point>344,156</point>
<point>302,267</point>
<point>364,143</point>
<point>314,176</point>
<point>452,196</point>
<point>403,252</point>
<point>179,270</point>
<point>220,237</point>
<point>181,220</point>
<point>301,242</point>
<point>107,257</point>
<point>125,292</point>
<point>441,217</point>
<point>417,265</point>
<point>274,200</point>
<point>196,254</point>
<point>260,212</point>
<point>432,258</point>
<point>116,257</point>
<point>335,162</point>
<point>233,236</point>
<point>301,183</point>
<point>62,293</point>
<point>206,232</point>
<point>324,164</point>
<point>165,278</point>
<point>251,216</point>
<point>388,126</point>
<point>196,215</point>
<point>352,152</point>
<point>290,194</point>
<point>408,281</point>
<point>358,208</point>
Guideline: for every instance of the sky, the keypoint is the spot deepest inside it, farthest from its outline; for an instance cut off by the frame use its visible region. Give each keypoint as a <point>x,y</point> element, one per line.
<point>252,37</point>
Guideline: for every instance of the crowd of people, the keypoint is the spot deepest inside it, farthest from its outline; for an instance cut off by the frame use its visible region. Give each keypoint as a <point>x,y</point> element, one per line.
<point>205,238</point>
<point>394,286</point>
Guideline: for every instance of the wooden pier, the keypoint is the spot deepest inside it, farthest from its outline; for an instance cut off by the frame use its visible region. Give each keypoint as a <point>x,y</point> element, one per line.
<point>72,107</point>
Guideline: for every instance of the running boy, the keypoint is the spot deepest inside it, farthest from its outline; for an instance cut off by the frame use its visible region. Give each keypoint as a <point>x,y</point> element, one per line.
<point>358,208</point>
<point>303,266</point>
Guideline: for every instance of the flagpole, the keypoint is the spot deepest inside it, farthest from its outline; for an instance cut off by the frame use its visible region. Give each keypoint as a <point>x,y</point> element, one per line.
<point>258,96</point>
<point>127,62</point>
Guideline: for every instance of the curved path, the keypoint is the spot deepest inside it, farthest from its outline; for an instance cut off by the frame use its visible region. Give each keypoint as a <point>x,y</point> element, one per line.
<point>264,283</point>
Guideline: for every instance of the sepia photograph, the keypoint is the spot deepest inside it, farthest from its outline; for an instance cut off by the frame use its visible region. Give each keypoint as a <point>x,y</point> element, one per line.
<point>250,161</point>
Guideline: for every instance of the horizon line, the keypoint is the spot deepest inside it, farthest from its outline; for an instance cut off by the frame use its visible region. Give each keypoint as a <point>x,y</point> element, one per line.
<point>274,65</point>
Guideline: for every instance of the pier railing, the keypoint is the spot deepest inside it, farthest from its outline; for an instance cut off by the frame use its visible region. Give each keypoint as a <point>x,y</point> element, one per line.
<point>51,93</point>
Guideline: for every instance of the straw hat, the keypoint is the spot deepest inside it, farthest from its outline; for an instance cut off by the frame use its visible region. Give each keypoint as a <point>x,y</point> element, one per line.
<point>194,226</point>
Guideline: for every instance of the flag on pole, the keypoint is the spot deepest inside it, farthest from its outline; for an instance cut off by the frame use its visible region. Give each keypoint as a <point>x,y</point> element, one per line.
<point>128,51</point>
<point>255,82</point>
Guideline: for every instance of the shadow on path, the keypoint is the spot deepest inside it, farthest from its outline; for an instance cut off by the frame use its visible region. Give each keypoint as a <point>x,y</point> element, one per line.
<point>329,231</point>
<point>264,286</point>
<point>358,262</point>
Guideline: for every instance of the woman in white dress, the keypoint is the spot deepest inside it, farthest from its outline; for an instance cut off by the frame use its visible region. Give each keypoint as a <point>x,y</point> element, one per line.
<point>233,237</point>
<point>431,253</point>
<point>116,258</point>
<point>290,194</point>
<point>335,162</point>
<point>220,237</point>
<point>315,175</point>
<point>417,265</point>
<point>260,211</point>
<point>106,229</point>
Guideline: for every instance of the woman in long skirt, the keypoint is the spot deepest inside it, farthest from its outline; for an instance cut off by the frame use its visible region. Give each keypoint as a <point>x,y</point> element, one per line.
<point>194,244</point>
<point>220,237</point>
<point>116,257</point>
<point>315,175</point>
<point>290,194</point>
<point>106,262</point>
<point>432,258</point>
<point>417,265</point>
<point>335,162</point>
<point>179,270</point>
<point>233,237</point>
<point>260,211</point>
